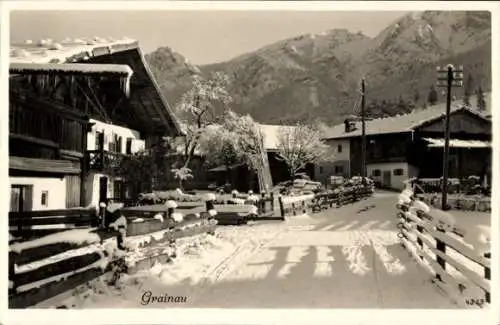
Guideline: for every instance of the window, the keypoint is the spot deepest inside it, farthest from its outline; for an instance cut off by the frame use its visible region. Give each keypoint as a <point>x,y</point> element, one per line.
<point>118,191</point>
<point>376,172</point>
<point>118,141</point>
<point>321,169</point>
<point>339,169</point>
<point>128,148</point>
<point>398,172</point>
<point>99,140</point>
<point>45,199</point>
<point>21,198</point>
<point>339,148</point>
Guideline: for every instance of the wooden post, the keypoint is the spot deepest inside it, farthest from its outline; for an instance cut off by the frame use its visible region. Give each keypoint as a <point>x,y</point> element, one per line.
<point>419,240</point>
<point>262,202</point>
<point>209,205</point>
<point>84,164</point>
<point>102,207</point>
<point>282,208</point>
<point>171,205</point>
<point>272,201</point>
<point>293,208</point>
<point>12,273</point>
<point>363,132</point>
<point>440,246</point>
<point>487,276</point>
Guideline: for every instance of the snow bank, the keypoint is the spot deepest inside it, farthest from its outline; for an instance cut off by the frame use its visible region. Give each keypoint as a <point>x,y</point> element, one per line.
<point>178,217</point>
<point>159,217</point>
<point>77,237</point>
<point>171,204</point>
<point>209,197</point>
<point>200,260</point>
<point>295,199</point>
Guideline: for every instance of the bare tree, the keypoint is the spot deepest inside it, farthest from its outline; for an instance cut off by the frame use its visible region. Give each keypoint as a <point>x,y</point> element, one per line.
<point>300,145</point>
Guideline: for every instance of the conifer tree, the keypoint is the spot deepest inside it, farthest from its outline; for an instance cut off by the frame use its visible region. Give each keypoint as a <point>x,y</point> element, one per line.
<point>481,103</point>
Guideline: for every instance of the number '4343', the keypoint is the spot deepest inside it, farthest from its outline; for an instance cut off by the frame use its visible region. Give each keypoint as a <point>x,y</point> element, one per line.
<point>478,302</point>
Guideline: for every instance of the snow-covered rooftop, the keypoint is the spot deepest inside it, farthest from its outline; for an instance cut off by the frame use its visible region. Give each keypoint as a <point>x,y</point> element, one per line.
<point>150,106</point>
<point>72,67</point>
<point>399,123</point>
<point>67,50</point>
<point>456,143</point>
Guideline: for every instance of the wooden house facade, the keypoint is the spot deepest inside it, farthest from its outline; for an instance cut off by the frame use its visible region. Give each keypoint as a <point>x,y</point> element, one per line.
<point>76,109</point>
<point>411,145</point>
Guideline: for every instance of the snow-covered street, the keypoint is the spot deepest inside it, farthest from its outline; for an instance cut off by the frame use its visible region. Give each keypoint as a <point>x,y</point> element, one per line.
<point>340,258</point>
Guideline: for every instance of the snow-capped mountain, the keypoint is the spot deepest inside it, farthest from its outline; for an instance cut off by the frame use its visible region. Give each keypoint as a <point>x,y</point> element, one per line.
<point>315,76</point>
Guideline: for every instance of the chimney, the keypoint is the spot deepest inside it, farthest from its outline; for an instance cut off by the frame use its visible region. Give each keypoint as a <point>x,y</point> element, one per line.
<point>350,125</point>
<point>347,125</point>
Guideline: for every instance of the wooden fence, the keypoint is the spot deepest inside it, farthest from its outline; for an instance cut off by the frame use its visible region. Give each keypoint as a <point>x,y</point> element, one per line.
<point>45,266</point>
<point>438,248</point>
<point>33,224</point>
<point>464,203</point>
<point>292,206</point>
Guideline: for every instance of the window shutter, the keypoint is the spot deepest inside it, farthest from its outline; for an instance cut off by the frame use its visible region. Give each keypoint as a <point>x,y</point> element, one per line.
<point>28,198</point>
<point>119,144</point>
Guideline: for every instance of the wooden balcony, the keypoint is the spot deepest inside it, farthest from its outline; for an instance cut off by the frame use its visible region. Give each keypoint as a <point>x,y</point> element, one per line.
<point>100,160</point>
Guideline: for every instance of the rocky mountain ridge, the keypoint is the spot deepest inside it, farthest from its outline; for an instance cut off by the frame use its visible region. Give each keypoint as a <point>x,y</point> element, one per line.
<point>317,76</point>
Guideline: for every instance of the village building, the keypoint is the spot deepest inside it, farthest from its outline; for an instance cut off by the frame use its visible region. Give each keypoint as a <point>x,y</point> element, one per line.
<point>76,108</point>
<point>411,145</point>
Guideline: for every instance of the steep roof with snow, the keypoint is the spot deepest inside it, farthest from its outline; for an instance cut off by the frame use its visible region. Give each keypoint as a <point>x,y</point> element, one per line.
<point>399,123</point>
<point>150,111</point>
<point>68,50</point>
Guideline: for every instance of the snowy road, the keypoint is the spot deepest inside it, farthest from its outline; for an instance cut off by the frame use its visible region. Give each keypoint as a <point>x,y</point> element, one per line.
<point>341,258</point>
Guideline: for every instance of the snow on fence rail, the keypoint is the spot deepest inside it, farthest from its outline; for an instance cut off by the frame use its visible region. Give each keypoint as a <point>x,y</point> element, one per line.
<point>461,270</point>
<point>293,205</point>
<point>49,265</point>
<point>44,267</point>
<point>232,209</point>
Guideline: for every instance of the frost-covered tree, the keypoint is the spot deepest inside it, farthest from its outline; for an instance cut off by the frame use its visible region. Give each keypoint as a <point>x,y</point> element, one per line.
<point>240,140</point>
<point>182,174</point>
<point>300,145</point>
<point>219,146</point>
<point>197,111</point>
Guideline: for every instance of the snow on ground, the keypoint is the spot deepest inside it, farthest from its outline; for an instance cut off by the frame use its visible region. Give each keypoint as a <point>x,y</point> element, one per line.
<point>200,260</point>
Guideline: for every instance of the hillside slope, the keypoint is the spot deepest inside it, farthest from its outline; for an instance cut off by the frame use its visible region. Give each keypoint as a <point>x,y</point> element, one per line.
<point>317,76</point>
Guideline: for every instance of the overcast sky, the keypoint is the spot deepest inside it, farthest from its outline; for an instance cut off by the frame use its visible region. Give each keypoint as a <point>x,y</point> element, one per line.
<point>201,36</point>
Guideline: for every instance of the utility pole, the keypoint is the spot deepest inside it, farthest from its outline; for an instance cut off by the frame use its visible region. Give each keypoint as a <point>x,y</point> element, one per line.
<point>363,132</point>
<point>448,77</point>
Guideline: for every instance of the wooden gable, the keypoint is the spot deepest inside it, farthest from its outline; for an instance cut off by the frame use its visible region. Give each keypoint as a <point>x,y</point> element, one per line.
<point>461,121</point>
